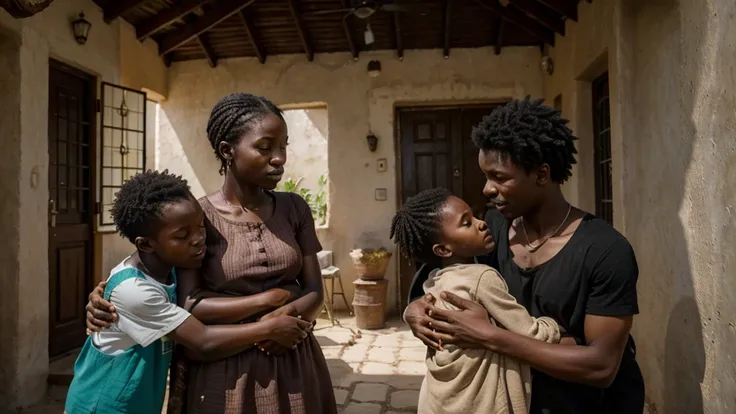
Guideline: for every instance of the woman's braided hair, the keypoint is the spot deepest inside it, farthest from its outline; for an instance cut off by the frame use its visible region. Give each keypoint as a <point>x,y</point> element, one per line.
<point>232,117</point>
<point>416,225</point>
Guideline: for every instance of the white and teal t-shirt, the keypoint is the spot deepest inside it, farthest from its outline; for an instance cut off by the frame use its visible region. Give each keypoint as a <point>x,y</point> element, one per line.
<point>123,369</point>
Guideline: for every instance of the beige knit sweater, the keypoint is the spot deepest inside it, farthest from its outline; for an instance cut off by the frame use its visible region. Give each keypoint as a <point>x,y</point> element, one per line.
<point>464,381</point>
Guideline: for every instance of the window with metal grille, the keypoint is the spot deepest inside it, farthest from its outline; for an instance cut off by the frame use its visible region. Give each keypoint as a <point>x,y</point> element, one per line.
<point>602,149</point>
<point>123,142</point>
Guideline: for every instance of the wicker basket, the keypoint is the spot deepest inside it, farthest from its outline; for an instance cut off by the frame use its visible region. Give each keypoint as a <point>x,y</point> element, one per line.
<point>370,264</point>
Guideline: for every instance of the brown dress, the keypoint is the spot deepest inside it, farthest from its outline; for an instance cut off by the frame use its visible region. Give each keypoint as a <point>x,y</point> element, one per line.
<point>245,259</point>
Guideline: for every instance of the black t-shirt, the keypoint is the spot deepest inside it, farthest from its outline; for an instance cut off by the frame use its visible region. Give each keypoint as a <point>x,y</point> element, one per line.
<point>595,273</point>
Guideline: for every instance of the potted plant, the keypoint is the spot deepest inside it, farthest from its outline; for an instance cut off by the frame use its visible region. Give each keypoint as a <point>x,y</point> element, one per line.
<point>370,264</point>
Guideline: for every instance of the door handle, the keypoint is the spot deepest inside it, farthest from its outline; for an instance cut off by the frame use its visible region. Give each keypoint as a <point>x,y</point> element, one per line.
<point>52,213</point>
<point>455,172</point>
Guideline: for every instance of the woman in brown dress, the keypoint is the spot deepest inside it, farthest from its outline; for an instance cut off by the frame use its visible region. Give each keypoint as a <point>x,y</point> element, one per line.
<point>258,241</point>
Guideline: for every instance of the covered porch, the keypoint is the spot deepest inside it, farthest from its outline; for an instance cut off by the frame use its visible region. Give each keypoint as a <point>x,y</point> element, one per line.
<point>642,83</point>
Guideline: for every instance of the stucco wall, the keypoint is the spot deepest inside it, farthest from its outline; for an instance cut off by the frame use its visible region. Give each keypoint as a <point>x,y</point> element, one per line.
<point>9,211</point>
<point>307,150</point>
<point>24,74</point>
<point>357,105</point>
<point>673,120</point>
<point>141,67</point>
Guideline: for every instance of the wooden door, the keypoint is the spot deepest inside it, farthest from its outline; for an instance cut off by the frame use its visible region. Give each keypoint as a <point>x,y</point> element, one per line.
<point>436,151</point>
<point>71,201</point>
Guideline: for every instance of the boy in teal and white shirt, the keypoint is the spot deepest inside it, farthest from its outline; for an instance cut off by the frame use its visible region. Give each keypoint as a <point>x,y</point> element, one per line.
<point>123,369</point>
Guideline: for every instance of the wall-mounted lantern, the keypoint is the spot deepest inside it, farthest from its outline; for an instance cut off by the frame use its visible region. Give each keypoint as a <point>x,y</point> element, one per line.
<point>374,68</point>
<point>372,142</point>
<point>81,27</point>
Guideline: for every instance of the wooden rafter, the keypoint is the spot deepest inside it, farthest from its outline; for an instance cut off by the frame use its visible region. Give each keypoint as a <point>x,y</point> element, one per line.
<point>207,48</point>
<point>166,17</point>
<point>446,11</point>
<point>541,13</point>
<point>397,32</point>
<point>498,35</point>
<point>302,32</point>
<point>115,9</point>
<point>520,19</point>
<point>568,8</point>
<point>348,33</point>
<point>250,31</point>
<point>212,18</point>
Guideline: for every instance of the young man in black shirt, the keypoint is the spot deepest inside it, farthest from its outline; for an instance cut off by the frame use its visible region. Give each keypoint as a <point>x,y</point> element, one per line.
<point>558,261</point>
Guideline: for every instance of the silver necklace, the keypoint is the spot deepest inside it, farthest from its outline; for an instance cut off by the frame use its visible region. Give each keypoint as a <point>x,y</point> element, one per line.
<point>531,248</point>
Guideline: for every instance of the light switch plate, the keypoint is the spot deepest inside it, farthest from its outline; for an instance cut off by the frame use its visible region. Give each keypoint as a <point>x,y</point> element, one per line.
<point>381,194</point>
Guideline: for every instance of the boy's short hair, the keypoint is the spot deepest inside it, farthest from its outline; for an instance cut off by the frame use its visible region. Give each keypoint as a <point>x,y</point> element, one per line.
<point>141,199</point>
<point>416,225</point>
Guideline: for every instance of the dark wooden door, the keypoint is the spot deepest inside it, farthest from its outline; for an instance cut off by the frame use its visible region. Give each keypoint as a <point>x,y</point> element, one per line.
<point>71,169</point>
<point>436,151</point>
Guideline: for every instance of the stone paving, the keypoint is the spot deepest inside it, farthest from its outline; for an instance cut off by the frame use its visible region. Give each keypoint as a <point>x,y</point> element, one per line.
<point>373,372</point>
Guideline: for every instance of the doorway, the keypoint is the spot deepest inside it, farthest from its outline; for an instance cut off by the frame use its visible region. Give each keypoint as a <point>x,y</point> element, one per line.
<point>72,99</point>
<point>436,151</point>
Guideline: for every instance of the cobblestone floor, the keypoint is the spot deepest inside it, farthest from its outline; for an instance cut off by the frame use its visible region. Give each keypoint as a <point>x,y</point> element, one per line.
<point>373,372</point>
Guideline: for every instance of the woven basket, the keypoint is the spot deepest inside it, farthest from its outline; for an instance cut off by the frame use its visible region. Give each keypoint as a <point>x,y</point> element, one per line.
<point>373,269</point>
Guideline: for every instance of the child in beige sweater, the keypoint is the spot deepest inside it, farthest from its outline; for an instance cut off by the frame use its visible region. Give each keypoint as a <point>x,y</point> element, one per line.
<point>435,226</point>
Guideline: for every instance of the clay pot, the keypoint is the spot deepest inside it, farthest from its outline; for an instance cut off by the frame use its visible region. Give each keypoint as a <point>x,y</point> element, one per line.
<point>369,303</point>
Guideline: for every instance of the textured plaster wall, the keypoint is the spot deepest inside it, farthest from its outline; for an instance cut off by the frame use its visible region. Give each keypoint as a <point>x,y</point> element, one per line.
<point>141,67</point>
<point>9,211</point>
<point>307,150</point>
<point>26,47</point>
<point>357,105</point>
<point>673,121</point>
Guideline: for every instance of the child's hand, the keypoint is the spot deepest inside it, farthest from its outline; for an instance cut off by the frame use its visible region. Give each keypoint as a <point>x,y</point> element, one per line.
<point>100,313</point>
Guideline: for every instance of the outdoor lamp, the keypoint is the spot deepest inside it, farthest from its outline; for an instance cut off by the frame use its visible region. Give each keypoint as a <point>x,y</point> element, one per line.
<point>81,29</point>
<point>372,142</point>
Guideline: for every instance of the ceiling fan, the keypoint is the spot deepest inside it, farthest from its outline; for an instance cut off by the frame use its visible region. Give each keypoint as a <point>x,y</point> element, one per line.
<point>364,10</point>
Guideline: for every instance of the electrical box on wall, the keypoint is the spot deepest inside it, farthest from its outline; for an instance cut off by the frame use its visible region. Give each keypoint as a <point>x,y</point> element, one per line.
<point>381,165</point>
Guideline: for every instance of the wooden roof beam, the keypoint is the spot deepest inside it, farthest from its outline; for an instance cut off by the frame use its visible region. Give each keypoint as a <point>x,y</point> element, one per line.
<point>397,32</point>
<point>348,33</point>
<point>520,19</point>
<point>300,28</point>
<point>115,9</point>
<point>208,51</point>
<point>166,17</point>
<point>212,18</point>
<point>446,11</point>
<point>541,13</point>
<point>250,31</point>
<point>498,35</point>
<point>567,8</point>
